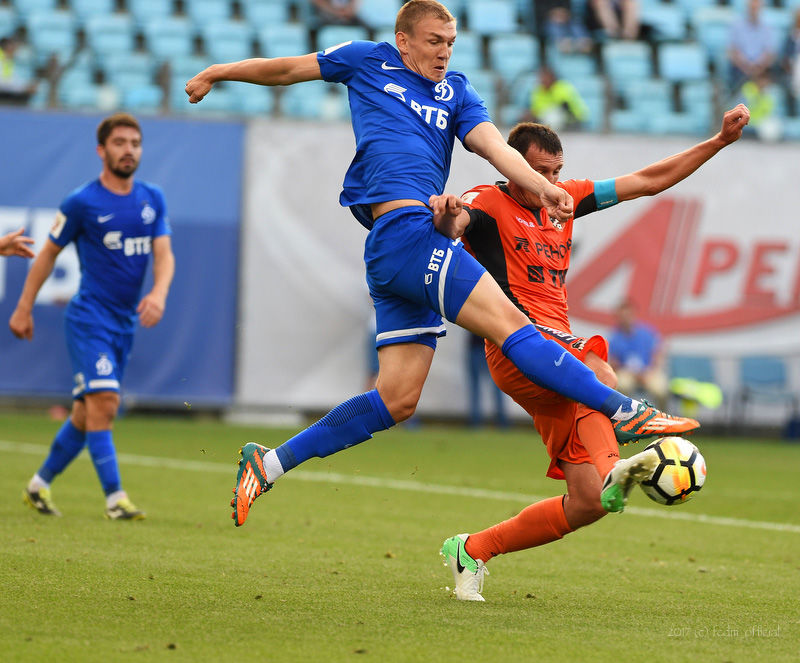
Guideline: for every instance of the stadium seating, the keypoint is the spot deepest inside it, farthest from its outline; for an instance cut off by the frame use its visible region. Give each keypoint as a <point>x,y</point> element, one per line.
<point>109,33</point>
<point>379,14</point>
<point>51,33</point>
<point>227,41</point>
<point>86,9</point>
<point>144,10</point>
<point>255,99</point>
<point>315,100</point>
<point>486,17</point>
<point>263,13</point>
<point>626,60</point>
<point>204,12</point>
<point>331,35</point>
<point>486,85</point>
<point>571,65</point>
<point>169,37</point>
<point>513,54</point>
<point>143,99</point>
<point>764,378</point>
<point>27,7</point>
<point>697,367</point>
<point>682,62</point>
<point>712,25</point>
<point>281,40</point>
<point>468,53</point>
<point>666,21</point>
<point>128,70</point>
<point>9,21</point>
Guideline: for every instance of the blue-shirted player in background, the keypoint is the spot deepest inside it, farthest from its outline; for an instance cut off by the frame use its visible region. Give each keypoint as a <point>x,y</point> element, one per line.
<point>407,110</point>
<point>116,223</point>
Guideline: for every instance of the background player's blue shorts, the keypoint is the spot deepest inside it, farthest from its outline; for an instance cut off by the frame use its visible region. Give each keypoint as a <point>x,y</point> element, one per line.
<point>99,357</point>
<point>416,276</point>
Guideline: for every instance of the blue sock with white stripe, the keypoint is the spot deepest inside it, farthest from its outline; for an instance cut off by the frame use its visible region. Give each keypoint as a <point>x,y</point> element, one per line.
<point>66,446</point>
<point>546,363</point>
<point>104,457</point>
<point>348,424</point>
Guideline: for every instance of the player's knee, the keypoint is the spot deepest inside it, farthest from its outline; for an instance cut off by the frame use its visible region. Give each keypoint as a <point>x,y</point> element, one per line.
<point>402,409</point>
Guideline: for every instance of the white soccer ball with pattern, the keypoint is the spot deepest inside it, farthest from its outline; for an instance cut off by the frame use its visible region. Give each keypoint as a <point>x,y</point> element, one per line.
<point>681,471</point>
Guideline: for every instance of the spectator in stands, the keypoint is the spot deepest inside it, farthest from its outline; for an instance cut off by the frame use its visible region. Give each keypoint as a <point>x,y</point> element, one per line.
<point>751,48</point>
<point>477,374</point>
<point>12,89</point>
<point>335,12</point>
<point>16,244</point>
<point>636,354</point>
<point>791,58</point>
<point>764,121</point>
<point>614,19</point>
<point>556,103</point>
<point>567,33</point>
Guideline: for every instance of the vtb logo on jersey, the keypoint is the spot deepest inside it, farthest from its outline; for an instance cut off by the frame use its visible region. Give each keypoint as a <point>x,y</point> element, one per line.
<point>431,114</point>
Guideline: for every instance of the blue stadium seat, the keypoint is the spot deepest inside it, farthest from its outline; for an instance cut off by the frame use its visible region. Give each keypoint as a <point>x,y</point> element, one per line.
<point>649,97</point>
<point>145,10</point>
<point>597,106</point>
<point>8,21</point>
<point>314,100</point>
<point>227,41</point>
<point>512,54</point>
<point>51,33</point>
<point>682,62</point>
<point>26,7</point>
<point>467,53</point>
<point>85,9</point>
<point>697,367</point>
<point>379,14</point>
<point>764,378</point>
<point>627,121</point>
<point>626,60</point>
<point>485,82</point>
<point>712,26</point>
<point>492,16</point>
<point>571,65</point>
<point>667,21</point>
<point>143,98</point>
<point>169,37</point>
<point>202,12</point>
<point>109,33</point>
<point>263,13</point>
<point>780,20</point>
<point>282,40</point>
<point>387,35</point>
<point>128,70</point>
<point>78,95</point>
<point>697,99</point>
<point>255,99</point>
<point>331,35</point>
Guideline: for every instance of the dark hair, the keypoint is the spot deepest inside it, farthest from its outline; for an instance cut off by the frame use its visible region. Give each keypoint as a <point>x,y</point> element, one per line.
<point>112,122</point>
<point>526,134</point>
<point>414,10</point>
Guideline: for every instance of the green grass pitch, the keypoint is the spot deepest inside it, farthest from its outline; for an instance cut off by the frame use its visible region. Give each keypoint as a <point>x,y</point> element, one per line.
<point>340,561</point>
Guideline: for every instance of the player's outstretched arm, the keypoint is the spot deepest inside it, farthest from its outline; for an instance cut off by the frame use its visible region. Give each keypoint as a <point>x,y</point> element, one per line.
<point>663,174</point>
<point>21,321</point>
<point>151,306</point>
<point>260,71</point>
<point>486,141</point>
<point>16,244</point>
<point>449,216</point>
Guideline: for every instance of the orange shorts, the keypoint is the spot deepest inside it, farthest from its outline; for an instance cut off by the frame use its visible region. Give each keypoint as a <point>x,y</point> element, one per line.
<point>555,416</point>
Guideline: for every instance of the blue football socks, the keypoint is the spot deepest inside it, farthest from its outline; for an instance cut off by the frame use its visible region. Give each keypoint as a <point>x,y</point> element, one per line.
<point>66,446</point>
<point>549,365</point>
<point>348,424</point>
<point>104,457</point>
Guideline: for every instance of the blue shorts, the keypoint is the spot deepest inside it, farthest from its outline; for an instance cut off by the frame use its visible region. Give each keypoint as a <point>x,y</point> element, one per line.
<point>99,357</point>
<point>416,276</point>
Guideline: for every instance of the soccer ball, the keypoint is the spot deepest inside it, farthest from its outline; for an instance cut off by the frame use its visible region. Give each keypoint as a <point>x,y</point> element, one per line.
<point>681,471</point>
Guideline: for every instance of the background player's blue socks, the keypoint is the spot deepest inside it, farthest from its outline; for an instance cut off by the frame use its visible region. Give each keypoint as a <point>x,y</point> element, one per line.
<point>104,457</point>
<point>549,365</point>
<point>348,424</point>
<point>67,444</point>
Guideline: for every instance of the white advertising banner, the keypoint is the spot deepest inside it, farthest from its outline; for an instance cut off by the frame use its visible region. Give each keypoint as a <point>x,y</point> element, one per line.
<point>713,263</point>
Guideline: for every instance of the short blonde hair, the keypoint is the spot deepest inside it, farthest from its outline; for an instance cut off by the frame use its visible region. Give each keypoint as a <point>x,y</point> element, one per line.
<point>415,10</point>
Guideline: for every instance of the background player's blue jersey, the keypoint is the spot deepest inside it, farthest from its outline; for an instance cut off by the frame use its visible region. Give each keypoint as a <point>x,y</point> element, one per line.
<point>404,124</point>
<point>113,235</point>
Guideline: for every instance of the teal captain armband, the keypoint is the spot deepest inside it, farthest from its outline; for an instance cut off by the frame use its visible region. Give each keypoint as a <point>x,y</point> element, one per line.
<point>605,193</point>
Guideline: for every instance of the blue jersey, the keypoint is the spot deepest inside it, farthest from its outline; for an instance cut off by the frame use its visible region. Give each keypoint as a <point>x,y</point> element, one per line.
<point>113,235</point>
<point>404,124</point>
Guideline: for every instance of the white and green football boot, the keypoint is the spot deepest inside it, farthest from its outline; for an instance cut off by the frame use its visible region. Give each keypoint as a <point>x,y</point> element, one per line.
<point>626,473</point>
<point>41,501</point>
<point>467,572</point>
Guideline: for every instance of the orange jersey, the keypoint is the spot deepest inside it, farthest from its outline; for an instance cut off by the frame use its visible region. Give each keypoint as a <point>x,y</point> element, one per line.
<point>522,249</point>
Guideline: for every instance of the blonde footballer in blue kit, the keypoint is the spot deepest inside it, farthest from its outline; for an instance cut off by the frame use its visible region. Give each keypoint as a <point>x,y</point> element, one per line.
<point>407,110</point>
